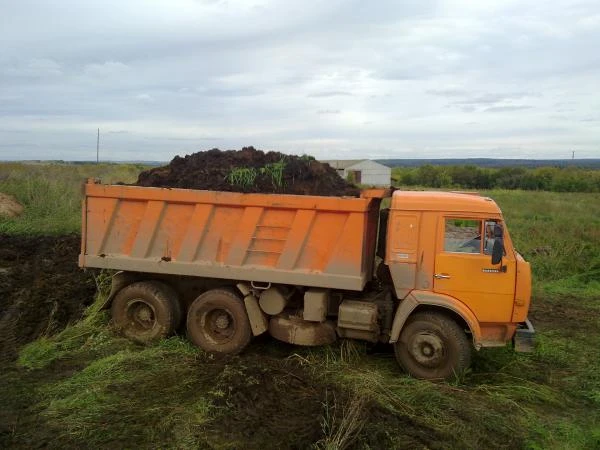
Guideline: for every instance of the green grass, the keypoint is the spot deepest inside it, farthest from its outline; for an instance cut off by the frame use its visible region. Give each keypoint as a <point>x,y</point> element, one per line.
<point>51,193</point>
<point>559,234</point>
<point>88,387</point>
<point>110,386</point>
<point>93,388</point>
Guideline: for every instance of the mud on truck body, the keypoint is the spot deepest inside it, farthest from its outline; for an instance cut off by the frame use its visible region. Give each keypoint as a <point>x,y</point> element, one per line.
<point>435,274</point>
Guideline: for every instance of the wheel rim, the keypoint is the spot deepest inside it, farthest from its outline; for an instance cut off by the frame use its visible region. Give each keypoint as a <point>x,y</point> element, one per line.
<point>218,325</point>
<point>427,349</point>
<point>141,315</point>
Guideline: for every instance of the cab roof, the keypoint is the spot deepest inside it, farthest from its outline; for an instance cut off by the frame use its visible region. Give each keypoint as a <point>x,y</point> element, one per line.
<point>443,201</point>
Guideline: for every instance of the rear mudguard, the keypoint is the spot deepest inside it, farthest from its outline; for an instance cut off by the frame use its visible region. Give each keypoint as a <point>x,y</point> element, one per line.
<point>119,281</point>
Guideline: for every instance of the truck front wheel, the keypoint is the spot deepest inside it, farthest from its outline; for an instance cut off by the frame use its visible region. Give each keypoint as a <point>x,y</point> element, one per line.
<point>217,322</point>
<point>433,346</point>
<point>146,311</point>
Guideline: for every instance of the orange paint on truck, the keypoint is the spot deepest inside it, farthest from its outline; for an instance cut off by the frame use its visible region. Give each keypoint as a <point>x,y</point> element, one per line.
<point>316,241</point>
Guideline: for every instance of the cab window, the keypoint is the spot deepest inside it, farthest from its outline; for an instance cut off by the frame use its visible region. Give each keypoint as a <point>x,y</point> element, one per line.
<point>463,236</point>
<point>488,243</point>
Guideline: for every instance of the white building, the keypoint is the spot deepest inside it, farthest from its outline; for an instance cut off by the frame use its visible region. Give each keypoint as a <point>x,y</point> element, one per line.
<point>363,171</point>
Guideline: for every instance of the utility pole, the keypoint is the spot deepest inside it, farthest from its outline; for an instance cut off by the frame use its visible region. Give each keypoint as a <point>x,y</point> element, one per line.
<point>98,148</point>
<point>573,155</point>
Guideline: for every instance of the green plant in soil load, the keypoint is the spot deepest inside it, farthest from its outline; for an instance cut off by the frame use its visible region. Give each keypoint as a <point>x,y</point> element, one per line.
<point>275,171</point>
<point>242,176</point>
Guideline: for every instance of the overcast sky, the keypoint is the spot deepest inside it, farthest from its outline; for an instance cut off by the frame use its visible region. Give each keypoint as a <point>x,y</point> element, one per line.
<point>336,79</point>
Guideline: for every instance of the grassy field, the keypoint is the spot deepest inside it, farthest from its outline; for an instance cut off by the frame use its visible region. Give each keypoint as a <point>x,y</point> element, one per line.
<point>51,193</point>
<point>87,387</point>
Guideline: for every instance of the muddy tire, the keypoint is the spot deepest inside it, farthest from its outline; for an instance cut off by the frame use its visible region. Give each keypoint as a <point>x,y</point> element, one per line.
<point>433,346</point>
<point>146,311</point>
<point>217,322</point>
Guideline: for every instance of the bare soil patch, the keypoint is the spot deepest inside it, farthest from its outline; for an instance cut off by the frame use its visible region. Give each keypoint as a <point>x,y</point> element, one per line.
<point>41,288</point>
<point>9,207</point>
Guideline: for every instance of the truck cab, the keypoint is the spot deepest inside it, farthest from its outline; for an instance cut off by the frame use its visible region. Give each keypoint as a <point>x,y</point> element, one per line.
<point>439,251</point>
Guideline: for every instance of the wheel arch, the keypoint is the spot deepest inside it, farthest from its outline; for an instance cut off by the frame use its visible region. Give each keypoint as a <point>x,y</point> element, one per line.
<point>420,301</point>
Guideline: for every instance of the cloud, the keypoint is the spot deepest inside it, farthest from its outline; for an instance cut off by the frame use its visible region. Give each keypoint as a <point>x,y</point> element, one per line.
<point>507,108</point>
<point>448,92</point>
<point>491,98</point>
<point>590,22</point>
<point>325,94</point>
<point>342,79</point>
<point>108,68</point>
<point>34,67</point>
<point>145,98</point>
<point>491,102</point>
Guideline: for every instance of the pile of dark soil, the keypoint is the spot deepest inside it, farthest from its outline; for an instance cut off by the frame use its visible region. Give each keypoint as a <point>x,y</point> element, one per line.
<point>257,172</point>
<point>41,288</point>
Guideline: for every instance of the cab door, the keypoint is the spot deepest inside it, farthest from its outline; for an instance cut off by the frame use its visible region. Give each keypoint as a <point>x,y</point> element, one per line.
<point>464,271</point>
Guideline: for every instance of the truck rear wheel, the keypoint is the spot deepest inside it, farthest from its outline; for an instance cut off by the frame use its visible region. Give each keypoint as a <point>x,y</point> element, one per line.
<point>217,322</point>
<point>146,311</point>
<point>433,346</point>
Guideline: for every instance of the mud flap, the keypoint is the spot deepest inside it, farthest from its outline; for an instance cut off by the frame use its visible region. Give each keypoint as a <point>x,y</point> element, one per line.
<point>119,280</point>
<point>524,339</point>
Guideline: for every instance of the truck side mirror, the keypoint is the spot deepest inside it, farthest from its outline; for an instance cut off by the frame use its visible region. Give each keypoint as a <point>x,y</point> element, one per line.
<point>498,248</point>
<point>497,251</point>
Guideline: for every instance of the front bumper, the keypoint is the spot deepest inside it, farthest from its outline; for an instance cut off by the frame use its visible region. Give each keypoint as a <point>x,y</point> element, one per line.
<point>524,339</point>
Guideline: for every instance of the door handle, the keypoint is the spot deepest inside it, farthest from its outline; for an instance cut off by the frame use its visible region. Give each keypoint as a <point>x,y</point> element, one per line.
<point>441,275</point>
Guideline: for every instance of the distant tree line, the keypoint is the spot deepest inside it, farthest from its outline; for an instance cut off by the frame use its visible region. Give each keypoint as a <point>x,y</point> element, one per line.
<point>569,179</point>
<point>494,163</point>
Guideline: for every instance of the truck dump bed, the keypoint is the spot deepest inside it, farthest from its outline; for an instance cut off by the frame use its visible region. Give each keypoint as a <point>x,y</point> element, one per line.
<point>301,240</point>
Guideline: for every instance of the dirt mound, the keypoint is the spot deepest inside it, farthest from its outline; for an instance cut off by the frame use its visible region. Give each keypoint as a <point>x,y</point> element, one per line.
<point>41,288</point>
<point>249,170</point>
<point>9,207</point>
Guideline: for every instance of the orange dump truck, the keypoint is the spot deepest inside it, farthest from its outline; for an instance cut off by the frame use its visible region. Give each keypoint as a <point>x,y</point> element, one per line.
<point>435,275</point>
